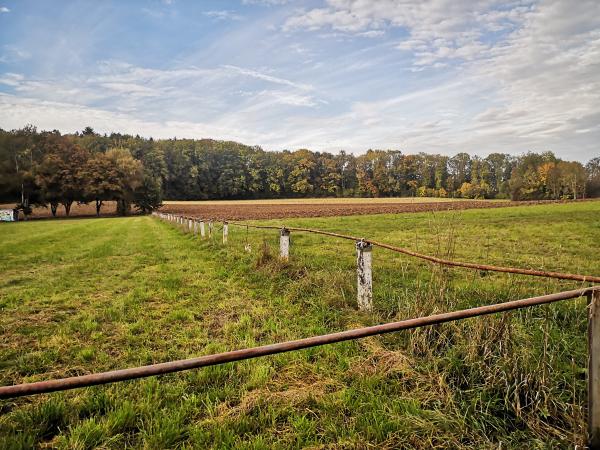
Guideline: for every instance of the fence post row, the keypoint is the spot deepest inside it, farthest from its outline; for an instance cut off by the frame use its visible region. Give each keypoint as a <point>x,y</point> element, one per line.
<point>594,369</point>
<point>364,275</point>
<point>284,244</point>
<point>225,232</point>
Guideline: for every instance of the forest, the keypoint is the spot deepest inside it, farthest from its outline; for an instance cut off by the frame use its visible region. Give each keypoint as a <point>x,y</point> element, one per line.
<point>47,168</point>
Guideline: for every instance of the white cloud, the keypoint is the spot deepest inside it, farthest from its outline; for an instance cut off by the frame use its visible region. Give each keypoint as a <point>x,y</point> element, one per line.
<point>4,9</point>
<point>11,54</point>
<point>223,15</point>
<point>269,78</point>
<point>437,30</point>
<point>265,2</point>
<point>466,76</point>
<point>372,33</point>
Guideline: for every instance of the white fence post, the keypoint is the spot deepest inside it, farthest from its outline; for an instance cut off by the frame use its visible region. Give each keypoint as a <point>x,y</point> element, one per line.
<point>225,232</point>
<point>364,275</point>
<point>190,225</point>
<point>594,370</point>
<point>202,229</point>
<point>195,228</point>
<point>284,244</point>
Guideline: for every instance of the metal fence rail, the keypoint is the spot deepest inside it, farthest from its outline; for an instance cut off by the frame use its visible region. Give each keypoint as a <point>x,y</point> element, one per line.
<point>238,355</point>
<point>363,245</point>
<point>593,294</point>
<point>430,258</point>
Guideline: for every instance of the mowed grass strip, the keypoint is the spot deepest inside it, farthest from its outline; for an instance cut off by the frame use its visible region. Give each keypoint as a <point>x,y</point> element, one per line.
<point>81,296</point>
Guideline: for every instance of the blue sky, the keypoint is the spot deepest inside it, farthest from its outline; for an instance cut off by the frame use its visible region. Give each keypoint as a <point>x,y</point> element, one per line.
<point>436,76</point>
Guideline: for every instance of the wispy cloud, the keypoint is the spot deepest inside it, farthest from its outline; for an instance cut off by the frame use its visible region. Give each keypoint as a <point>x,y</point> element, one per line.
<point>223,15</point>
<point>10,54</point>
<point>4,9</point>
<point>265,2</point>
<point>419,76</point>
<point>269,78</point>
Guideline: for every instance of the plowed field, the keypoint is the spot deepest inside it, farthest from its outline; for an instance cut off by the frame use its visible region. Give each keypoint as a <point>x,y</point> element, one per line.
<point>258,210</point>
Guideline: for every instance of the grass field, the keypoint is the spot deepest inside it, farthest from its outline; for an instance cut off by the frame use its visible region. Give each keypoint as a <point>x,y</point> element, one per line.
<point>80,296</point>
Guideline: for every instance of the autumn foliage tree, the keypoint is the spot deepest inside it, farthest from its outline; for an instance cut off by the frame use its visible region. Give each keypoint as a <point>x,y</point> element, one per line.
<point>53,169</point>
<point>61,174</point>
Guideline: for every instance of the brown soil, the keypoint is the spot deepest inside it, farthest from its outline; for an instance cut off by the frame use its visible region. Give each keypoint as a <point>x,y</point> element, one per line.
<point>280,211</point>
<point>249,211</point>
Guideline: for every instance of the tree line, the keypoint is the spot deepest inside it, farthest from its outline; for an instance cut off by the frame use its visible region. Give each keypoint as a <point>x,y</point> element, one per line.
<point>47,168</point>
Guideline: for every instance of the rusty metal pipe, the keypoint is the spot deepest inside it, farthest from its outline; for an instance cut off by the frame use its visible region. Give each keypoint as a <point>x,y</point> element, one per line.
<point>445,262</point>
<point>238,355</point>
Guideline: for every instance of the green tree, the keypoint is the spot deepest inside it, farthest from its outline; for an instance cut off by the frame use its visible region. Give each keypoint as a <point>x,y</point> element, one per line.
<point>148,196</point>
<point>128,174</point>
<point>61,174</point>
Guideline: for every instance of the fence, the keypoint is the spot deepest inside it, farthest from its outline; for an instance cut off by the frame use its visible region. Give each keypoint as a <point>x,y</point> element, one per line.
<point>364,292</point>
<point>364,256</point>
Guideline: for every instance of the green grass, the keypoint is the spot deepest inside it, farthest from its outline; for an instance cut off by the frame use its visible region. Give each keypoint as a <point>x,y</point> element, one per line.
<point>81,296</point>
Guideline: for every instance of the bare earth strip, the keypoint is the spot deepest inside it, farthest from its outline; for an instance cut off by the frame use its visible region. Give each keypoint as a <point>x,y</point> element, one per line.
<point>290,208</point>
<point>258,210</point>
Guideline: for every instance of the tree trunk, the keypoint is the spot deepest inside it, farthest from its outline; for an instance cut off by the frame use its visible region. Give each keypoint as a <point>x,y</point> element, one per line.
<point>68,207</point>
<point>98,206</point>
<point>123,207</point>
<point>53,208</point>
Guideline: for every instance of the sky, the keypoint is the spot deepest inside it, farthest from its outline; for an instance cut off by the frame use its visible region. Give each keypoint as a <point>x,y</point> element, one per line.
<point>436,76</point>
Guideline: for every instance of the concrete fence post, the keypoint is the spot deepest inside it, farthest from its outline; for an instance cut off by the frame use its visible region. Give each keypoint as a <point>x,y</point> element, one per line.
<point>284,244</point>
<point>202,229</point>
<point>195,228</point>
<point>594,370</point>
<point>210,229</point>
<point>190,225</point>
<point>364,275</point>
<point>225,232</point>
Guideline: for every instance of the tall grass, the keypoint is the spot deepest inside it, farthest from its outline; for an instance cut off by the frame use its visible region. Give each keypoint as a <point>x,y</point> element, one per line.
<point>90,295</point>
